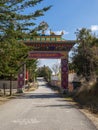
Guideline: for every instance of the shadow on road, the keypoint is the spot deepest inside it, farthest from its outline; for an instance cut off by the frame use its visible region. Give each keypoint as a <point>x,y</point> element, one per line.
<point>57,106</point>
<point>43,95</point>
<point>38,96</point>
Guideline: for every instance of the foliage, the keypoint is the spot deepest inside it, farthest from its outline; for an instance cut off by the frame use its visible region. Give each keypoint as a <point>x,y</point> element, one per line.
<point>86,60</point>
<point>31,66</point>
<point>13,56</point>
<point>45,72</point>
<point>19,13</point>
<point>71,66</point>
<point>16,23</point>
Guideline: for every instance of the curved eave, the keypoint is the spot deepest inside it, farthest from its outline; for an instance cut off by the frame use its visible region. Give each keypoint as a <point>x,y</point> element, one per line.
<point>72,42</point>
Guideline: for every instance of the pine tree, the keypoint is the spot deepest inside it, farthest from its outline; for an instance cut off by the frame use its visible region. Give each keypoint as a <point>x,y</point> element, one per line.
<point>16,21</point>
<point>15,24</point>
<point>13,13</point>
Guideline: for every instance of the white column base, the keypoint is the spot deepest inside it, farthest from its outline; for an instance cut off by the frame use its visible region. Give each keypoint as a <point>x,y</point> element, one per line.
<point>19,90</point>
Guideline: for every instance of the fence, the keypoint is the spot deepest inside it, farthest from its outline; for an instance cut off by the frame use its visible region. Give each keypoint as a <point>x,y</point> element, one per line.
<point>6,83</point>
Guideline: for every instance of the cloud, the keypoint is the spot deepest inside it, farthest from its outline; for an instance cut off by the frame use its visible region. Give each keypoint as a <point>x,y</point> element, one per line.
<point>94,27</point>
<point>57,32</point>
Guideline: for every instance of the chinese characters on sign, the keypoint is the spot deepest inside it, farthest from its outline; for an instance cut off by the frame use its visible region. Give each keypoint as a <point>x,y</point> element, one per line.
<point>45,54</point>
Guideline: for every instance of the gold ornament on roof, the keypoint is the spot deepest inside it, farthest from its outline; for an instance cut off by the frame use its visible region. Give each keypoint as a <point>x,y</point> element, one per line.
<point>62,33</point>
<point>52,33</point>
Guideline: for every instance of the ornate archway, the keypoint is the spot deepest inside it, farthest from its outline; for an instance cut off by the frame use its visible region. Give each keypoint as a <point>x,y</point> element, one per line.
<point>52,46</point>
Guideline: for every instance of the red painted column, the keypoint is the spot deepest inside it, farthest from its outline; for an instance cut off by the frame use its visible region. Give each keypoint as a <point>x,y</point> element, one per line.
<point>64,73</point>
<point>21,79</point>
<point>20,82</point>
<point>26,77</point>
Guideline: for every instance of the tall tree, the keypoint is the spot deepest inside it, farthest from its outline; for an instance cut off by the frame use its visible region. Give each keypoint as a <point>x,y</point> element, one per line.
<point>16,20</point>
<point>85,61</point>
<point>19,14</point>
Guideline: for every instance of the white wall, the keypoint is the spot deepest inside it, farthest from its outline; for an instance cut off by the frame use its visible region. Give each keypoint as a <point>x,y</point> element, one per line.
<point>73,77</point>
<point>14,84</point>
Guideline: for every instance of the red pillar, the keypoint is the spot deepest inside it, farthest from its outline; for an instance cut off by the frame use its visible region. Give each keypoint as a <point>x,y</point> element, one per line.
<point>26,77</point>
<point>20,82</point>
<point>64,73</point>
<point>21,79</point>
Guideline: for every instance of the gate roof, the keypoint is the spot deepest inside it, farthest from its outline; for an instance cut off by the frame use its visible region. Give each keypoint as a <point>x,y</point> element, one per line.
<point>49,42</point>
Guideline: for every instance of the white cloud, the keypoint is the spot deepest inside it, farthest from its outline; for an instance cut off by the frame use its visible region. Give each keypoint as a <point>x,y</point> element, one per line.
<point>47,32</point>
<point>94,27</point>
<point>48,62</point>
<point>57,32</point>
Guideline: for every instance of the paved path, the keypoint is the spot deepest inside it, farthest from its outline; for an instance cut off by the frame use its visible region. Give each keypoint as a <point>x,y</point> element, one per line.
<point>42,110</point>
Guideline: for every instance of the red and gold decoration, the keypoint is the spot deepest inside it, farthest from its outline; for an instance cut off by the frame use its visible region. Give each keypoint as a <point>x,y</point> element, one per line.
<point>50,46</point>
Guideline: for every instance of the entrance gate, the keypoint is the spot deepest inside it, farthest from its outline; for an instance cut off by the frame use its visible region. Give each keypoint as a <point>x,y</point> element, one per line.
<point>52,46</point>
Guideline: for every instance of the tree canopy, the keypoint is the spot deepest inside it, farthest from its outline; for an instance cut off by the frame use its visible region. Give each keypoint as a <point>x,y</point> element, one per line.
<point>16,21</point>
<point>45,72</point>
<point>19,14</point>
<point>85,61</point>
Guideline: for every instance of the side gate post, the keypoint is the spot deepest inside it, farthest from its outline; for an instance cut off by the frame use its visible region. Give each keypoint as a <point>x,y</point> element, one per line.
<point>21,80</point>
<point>64,74</point>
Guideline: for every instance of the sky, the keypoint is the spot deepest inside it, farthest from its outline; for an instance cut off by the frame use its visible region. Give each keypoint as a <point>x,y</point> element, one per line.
<point>69,15</point>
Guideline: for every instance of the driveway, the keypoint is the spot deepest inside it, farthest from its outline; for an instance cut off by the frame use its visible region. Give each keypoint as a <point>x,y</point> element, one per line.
<point>42,110</point>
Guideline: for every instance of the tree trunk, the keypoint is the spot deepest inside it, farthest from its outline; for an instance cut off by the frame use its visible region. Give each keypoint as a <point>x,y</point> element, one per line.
<point>10,84</point>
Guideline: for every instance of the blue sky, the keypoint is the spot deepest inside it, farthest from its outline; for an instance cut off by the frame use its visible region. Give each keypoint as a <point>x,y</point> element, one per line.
<point>69,15</point>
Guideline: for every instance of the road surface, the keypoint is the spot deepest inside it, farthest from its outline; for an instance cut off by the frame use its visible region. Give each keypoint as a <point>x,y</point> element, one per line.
<point>42,110</point>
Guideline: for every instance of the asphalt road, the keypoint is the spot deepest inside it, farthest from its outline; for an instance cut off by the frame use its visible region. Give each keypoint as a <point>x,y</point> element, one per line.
<point>42,110</point>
